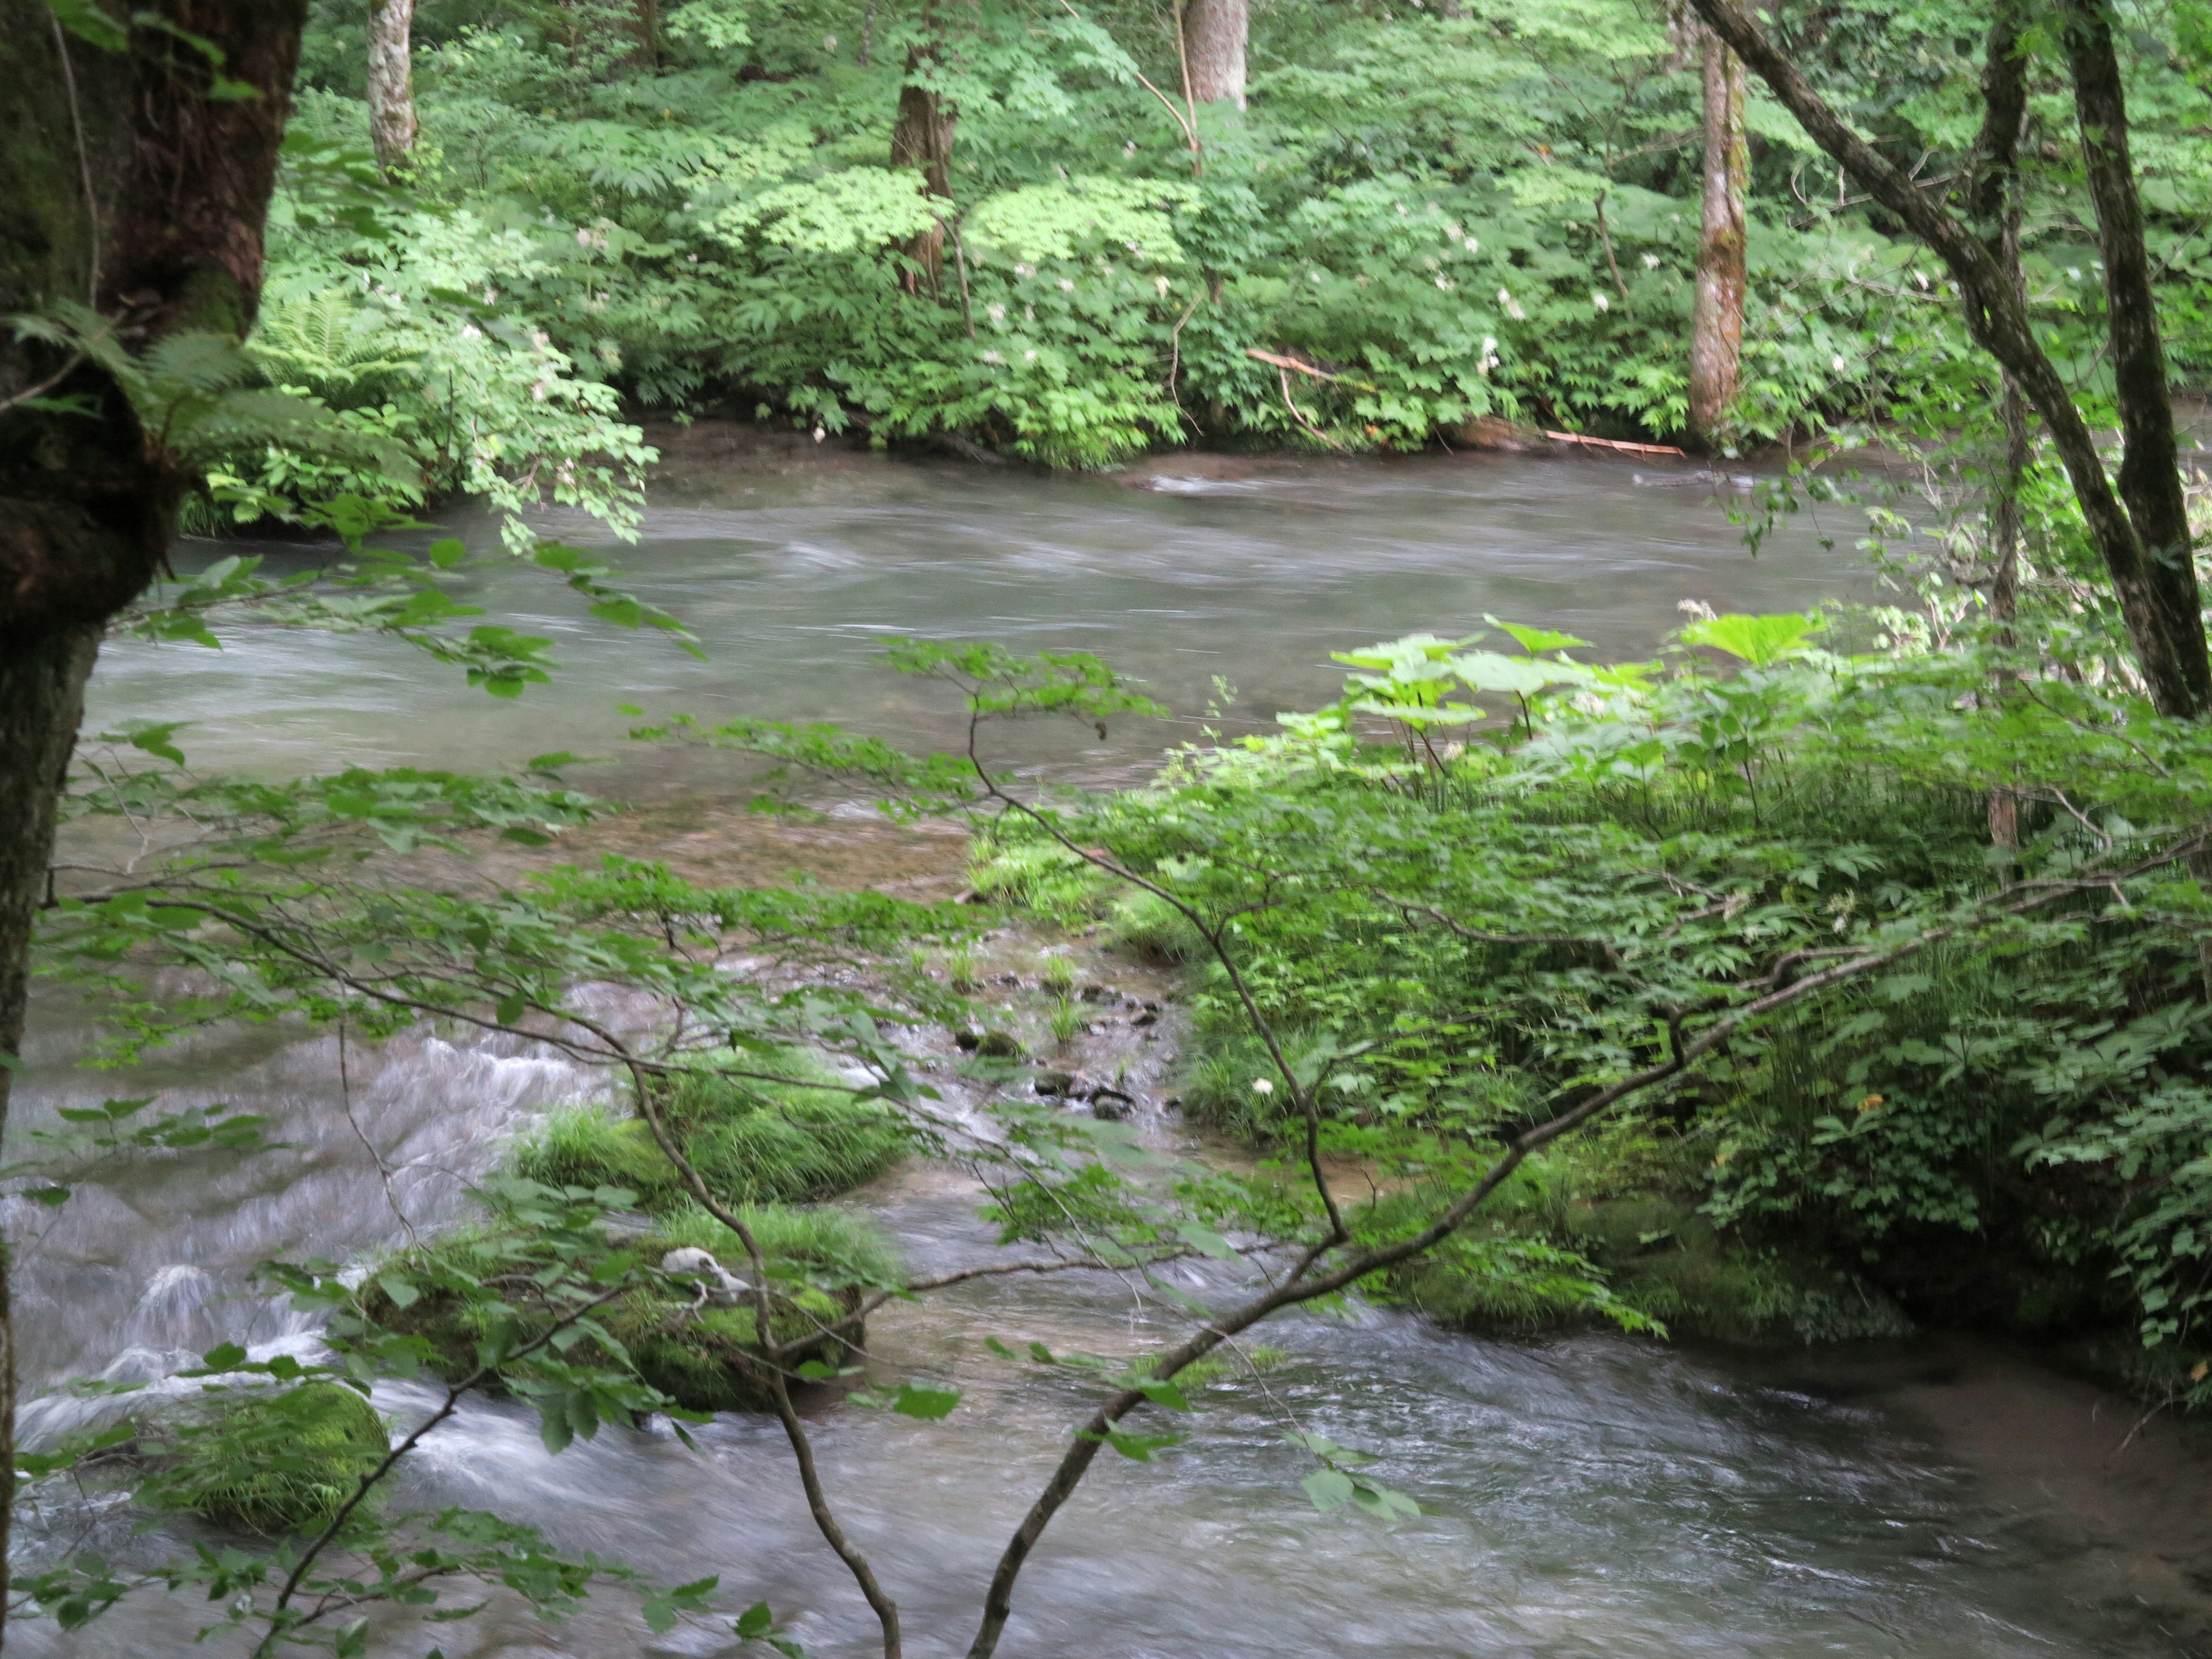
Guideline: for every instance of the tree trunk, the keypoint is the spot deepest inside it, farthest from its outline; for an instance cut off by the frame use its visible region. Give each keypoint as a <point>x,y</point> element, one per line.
<point>2167,634</point>
<point>392,83</point>
<point>921,137</point>
<point>1214,33</point>
<point>123,183</point>
<point>1993,199</point>
<point>2151,466</point>
<point>1716,317</point>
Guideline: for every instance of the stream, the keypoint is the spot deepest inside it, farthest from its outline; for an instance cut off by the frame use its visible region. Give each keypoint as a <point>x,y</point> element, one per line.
<point>1943,1497</point>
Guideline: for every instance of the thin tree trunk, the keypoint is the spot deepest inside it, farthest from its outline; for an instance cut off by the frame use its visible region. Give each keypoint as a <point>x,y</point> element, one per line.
<point>1993,198</point>
<point>921,137</point>
<point>1214,34</point>
<point>392,83</point>
<point>2169,636</point>
<point>1716,317</point>
<point>2150,464</point>
<point>127,183</point>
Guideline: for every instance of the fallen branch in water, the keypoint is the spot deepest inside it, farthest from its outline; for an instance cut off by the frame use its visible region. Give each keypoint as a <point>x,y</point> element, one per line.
<point>1615,443</point>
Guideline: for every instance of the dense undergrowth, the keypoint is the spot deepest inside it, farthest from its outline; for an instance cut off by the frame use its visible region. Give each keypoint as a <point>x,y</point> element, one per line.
<point>1458,928</point>
<point>1456,211</point>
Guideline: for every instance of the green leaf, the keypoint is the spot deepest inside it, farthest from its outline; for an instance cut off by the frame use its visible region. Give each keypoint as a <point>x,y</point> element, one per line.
<point>1138,1448</point>
<point>1758,641</point>
<point>927,1403</point>
<point>1203,1239</point>
<point>1329,1488</point>
<point>85,20</point>
<point>661,1606</point>
<point>1535,639</point>
<point>755,1622</point>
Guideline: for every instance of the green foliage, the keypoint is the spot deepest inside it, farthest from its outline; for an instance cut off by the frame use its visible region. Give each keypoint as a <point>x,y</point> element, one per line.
<point>753,1141</point>
<point>475,1290</point>
<point>1492,212</point>
<point>1993,1115</point>
<point>271,1460</point>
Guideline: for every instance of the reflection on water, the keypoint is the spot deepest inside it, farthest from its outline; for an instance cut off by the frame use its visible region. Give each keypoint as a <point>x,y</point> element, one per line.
<point>1588,1496</point>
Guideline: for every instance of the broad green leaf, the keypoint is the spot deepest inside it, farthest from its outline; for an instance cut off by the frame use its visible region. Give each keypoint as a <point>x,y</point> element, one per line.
<point>1758,640</point>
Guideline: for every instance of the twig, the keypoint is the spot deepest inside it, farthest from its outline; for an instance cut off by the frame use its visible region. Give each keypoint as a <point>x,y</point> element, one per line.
<point>45,386</point>
<point>1189,127</point>
<point>1604,241</point>
<point>1298,414</point>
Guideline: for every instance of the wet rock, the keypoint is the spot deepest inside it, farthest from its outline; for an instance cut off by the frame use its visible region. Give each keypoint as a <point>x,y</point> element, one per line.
<point>1098,993</point>
<point>1111,1103</point>
<point>1146,1019</point>
<point>1060,1085</point>
<point>990,1045</point>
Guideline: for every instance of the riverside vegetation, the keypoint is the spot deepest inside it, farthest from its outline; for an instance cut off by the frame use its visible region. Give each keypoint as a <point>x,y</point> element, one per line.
<point>1823,969</point>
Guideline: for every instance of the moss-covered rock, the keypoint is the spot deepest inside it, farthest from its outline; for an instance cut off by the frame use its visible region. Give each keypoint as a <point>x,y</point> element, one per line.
<point>821,1263</point>
<point>273,1462</point>
<point>758,1142</point>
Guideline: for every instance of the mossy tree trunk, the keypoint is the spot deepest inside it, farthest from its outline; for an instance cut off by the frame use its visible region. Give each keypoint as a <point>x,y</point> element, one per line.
<point>392,83</point>
<point>124,185</point>
<point>921,137</point>
<point>1993,201</point>
<point>1716,316</point>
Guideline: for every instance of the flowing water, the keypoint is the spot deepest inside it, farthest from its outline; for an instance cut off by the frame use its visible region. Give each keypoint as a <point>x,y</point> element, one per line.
<point>1584,1496</point>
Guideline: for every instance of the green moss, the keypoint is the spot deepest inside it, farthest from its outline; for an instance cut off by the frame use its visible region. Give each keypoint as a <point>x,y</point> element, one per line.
<point>276,1462</point>
<point>755,1143</point>
<point>1151,926</point>
<point>821,1263</point>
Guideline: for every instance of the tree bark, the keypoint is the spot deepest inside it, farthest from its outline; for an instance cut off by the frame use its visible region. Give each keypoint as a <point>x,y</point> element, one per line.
<point>2169,645</point>
<point>921,137</point>
<point>1214,34</point>
<point>392,83</point>
<point>123,183</point>
<point>2150,464</point>
<point>1993,200</point>
<point>1716,316</point>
